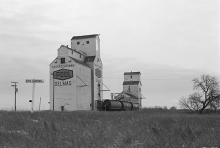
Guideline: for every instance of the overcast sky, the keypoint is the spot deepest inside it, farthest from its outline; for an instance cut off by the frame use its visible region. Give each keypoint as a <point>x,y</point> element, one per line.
<point>169,41</point>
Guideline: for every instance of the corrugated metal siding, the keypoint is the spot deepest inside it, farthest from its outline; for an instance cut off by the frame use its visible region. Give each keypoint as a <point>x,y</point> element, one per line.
<point>71,96</point>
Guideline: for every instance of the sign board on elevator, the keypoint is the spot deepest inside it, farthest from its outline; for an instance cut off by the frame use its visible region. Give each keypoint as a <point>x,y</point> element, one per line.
<point>98,73</point>
<point>63,74</point>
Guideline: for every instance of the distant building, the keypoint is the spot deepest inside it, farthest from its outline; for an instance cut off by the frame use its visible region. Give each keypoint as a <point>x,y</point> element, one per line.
<point>131,88</point>
<point>76,75</point>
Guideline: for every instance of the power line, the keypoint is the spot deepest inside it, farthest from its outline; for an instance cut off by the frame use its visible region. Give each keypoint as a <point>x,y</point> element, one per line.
<point>155,78</point>
<point>187,78</point>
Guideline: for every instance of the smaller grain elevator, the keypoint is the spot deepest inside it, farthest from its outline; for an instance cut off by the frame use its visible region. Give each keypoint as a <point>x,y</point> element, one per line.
<point>76,75</point>
<point>131,89</point>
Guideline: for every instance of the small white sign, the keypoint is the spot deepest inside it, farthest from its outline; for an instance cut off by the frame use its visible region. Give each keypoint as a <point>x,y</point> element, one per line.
<point>34,81</point>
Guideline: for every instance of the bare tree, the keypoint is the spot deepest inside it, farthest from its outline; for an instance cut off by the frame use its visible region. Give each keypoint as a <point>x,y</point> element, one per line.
<point>208,97</point>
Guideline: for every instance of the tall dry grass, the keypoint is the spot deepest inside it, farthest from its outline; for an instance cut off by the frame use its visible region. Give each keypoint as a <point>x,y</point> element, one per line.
<point>89,129</point>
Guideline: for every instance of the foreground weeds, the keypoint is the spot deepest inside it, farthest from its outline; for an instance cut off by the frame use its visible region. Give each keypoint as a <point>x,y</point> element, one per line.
<point>83,129</point>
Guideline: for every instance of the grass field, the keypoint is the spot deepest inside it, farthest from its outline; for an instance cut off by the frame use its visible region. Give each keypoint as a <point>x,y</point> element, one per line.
<point>149,128</point>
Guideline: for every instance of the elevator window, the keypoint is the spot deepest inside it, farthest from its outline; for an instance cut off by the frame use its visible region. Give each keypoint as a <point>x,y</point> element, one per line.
<point>62,60</point>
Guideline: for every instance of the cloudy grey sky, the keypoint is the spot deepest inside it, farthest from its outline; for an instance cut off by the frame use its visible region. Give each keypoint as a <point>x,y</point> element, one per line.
<point>169,41</point>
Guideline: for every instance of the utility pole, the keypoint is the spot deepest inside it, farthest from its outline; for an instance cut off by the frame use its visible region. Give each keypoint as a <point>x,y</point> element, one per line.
<point>33,90</point>
<point>16,90</point>
<point>53,92</point>
<point>39,103</point>
<point>32,104</point>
